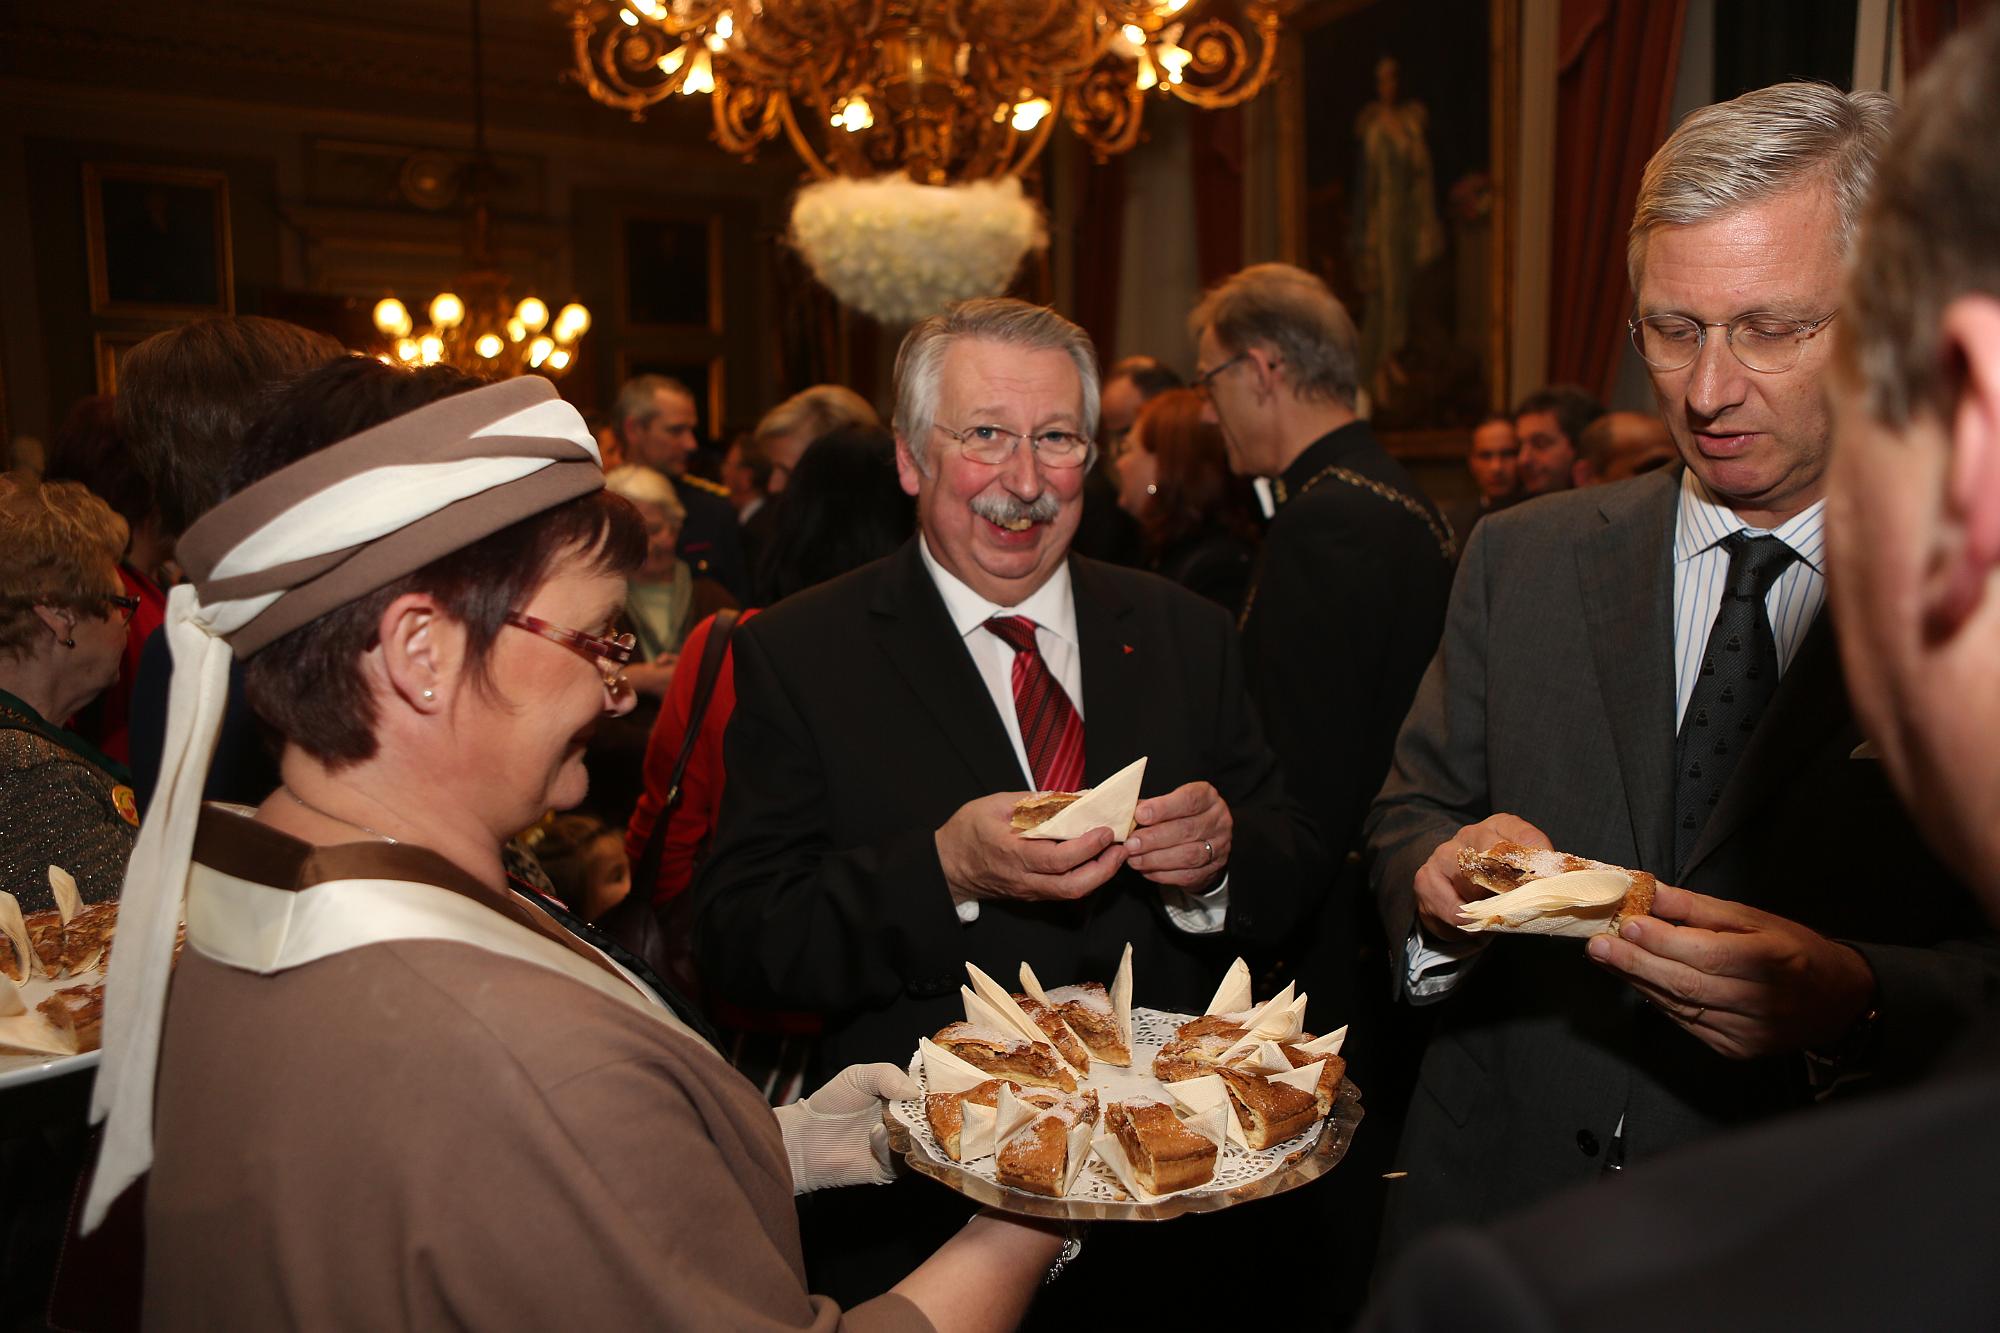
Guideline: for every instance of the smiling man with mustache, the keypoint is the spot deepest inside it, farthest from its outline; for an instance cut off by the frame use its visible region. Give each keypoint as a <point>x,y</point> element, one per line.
<point>887,722</point>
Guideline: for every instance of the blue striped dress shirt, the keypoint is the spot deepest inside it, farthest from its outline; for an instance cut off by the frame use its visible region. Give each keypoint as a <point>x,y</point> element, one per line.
<point>1701,568</point>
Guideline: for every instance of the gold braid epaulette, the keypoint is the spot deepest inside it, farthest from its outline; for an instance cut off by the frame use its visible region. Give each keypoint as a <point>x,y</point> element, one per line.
<point>1408,503</point>
<point>714,488</point>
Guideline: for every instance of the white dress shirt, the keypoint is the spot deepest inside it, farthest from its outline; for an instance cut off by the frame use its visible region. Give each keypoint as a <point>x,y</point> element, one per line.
<point>1053,609</point>
<point>1701,570</point>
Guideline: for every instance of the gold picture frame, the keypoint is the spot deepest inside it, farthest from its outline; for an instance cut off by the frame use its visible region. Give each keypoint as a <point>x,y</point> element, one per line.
<point>158,241</point>
<point>1324,183</point>
<point>108,350</point>
<point>701,373</point>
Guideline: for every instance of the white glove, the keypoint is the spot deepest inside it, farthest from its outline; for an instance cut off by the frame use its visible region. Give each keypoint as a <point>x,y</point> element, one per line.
<point>836,1136</point>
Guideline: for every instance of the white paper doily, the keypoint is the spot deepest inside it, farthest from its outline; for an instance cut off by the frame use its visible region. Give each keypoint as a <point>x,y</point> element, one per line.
<point>1240,1174</point>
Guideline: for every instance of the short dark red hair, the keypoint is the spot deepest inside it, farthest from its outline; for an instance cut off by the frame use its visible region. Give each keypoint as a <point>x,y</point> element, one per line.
<point>1194,489</point>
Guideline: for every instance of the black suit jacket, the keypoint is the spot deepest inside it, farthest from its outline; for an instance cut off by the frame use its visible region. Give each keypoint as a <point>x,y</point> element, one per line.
<point>1552,697</point>
<point>1344,614</point>
<point>1866,1217</point>
<point>861,725</point>
<point>711,539</point>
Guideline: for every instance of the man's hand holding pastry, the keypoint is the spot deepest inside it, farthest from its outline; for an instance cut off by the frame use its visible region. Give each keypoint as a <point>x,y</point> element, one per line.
<point>1441,885</point>
<point>1746,982</point>
<point>1182,839</point>
<point>983,857</point>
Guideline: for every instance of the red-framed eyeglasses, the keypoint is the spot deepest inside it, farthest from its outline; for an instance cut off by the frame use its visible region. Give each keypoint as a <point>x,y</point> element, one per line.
<point>606,652</point>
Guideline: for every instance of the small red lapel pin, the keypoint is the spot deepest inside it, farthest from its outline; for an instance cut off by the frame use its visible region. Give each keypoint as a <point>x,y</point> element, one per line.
<point>1128,648</point>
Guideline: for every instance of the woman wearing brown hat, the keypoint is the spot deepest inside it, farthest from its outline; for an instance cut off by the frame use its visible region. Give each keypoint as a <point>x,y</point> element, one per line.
<point>392,1089</point>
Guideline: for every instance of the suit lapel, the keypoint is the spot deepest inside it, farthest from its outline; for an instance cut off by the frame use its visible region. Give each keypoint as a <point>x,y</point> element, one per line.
<point>909,621</point>
<point>1810,703</point>
<point>1114,674</point>
<point>1632,648</point>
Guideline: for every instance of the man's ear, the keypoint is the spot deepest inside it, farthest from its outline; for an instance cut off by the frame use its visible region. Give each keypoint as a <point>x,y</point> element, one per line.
<point>1269,367</point>
<point>1971,343</point>
<point>1582,474</point>
<point>419,653</point>
<point>908,471</point>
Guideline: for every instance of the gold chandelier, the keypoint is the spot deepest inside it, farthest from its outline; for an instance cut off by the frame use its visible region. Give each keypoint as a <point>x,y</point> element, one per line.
<point>944,90</point>
<point>476,325</point>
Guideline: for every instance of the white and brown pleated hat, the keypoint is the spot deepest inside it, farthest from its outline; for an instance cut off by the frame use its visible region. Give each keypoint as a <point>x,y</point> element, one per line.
<point>309,538</point>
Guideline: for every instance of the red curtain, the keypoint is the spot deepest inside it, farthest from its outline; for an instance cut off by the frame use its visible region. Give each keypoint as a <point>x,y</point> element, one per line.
<point>1100,225</point>
<point>1216,162</point>
<point>1926,25</point>
<point>1616,65</point>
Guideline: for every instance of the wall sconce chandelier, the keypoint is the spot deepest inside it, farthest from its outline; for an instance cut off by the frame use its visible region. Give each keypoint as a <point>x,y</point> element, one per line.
<point>943,91</point>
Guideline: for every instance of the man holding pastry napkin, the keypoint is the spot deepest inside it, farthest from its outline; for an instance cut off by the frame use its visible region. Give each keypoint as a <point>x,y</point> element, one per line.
<point>888,723</point>
<point>1638,675</point>
<point>1865,1216</point>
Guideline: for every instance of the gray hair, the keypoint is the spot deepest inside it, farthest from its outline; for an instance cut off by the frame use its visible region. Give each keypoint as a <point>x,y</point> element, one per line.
<point>1000,319</point>
<point>644,485</point>
<point>814,411</point>
<point>638,399</point>
<point>1293,313</point>
<point>1770,140</point>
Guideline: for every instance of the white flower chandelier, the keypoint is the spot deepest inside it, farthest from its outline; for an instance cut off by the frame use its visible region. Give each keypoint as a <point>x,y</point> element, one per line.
<point>900,251</point>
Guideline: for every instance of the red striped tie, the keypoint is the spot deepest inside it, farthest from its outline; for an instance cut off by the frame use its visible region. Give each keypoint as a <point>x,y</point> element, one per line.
<point>1051,731</point>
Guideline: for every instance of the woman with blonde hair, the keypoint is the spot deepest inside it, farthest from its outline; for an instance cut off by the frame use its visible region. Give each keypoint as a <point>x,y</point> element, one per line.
<point>63,613</point>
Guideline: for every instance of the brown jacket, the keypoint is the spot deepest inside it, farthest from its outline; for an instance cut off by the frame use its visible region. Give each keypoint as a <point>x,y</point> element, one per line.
<point>421,1133</point>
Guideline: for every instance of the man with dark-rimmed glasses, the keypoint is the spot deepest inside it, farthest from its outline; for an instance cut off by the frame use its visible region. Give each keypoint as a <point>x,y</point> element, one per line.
<point>1640,673</point>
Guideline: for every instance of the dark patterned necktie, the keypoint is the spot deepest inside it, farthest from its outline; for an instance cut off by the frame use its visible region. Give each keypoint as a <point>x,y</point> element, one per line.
<point>1739,674</point>
<point>1051,731</point>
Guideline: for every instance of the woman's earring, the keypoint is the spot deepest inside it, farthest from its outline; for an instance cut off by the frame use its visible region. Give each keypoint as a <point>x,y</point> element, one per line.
<point>69,643</point>
<point>429,695</point>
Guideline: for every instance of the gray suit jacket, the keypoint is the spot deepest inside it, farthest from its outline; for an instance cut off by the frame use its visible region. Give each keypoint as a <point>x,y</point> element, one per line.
<point>1552,698</point>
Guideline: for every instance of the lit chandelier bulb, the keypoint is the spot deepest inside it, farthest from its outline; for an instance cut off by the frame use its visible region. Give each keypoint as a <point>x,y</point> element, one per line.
<point>447,310</point>
<point>1031,113</point>
<point>392,318</point>
<point>489,345</point>
<point>532,313</point>
<point>539,349</point>
<point>572,322</point>
<point>700,76</point>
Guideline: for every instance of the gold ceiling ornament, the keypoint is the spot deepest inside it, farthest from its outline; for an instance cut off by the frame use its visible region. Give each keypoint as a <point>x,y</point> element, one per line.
<point>476,324</point>
<point>944,91</point>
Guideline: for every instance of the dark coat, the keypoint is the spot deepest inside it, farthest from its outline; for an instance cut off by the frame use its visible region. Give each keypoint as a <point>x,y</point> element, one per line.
<point>1863,1217</point>
<point>862,725</point>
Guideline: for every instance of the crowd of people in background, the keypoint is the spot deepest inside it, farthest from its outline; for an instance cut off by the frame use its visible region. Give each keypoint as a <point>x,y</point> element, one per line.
<point>817,644</point>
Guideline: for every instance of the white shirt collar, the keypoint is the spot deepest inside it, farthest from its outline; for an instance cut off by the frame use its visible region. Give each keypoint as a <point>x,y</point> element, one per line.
<point>1703,521</point>
<point>1051,606</point>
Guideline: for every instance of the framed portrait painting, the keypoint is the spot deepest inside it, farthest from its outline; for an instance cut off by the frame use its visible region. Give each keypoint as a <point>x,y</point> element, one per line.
<point>671,273</point>
<point>158,241</point>
<point>1399,167</point>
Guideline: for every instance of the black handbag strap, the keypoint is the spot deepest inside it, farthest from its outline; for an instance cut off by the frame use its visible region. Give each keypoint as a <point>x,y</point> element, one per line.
<point>646,874</point>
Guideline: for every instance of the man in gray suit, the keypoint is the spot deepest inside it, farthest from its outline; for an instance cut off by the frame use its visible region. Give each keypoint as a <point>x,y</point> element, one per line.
<point>1867,1216</point>
<point>1639,673</point>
